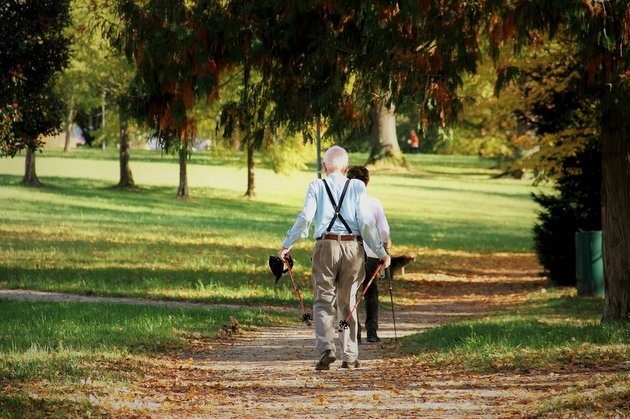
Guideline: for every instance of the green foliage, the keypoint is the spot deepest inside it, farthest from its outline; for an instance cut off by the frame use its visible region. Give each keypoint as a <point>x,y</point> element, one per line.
<point>290,154</point>
<point>554,104</point>
<point>8,116</point>
<point>178,50</point>
<point>339,72</point>
<point>96,74</point>
<point>487,125</point>
<point>33,49</point>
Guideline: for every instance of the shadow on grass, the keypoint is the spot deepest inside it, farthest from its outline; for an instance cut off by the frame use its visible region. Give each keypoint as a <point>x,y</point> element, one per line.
<point>447,291</point>
<point>97,202</point>
<point>552,333</point>
<point>22,406</point>
<point>80,328</point>
<point>466,235</point>
<point>176,285</point>
<point>574,307</point>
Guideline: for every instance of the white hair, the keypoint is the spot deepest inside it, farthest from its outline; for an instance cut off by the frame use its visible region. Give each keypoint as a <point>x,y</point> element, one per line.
<point>336,158</point>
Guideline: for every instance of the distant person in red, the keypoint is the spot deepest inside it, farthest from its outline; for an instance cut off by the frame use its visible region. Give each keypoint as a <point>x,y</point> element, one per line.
<point>415,142</point>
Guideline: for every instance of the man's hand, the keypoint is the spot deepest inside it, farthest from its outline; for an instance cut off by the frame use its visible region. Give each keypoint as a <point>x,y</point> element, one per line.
<point>387,260</point>
<point>283,252</point>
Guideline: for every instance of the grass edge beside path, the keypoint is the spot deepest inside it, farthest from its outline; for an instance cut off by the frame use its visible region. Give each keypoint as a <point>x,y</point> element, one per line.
<point>55,352</point>
<point>552,333</point>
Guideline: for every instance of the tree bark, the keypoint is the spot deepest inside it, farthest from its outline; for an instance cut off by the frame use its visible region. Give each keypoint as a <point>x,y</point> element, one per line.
<point>235,141</point>
<point>30,175</point>
<point>182,191</point>
<point>69,120</point>
<point>384,150</point>
<point>615,134</point>
<point>126,177</point>
<point>251,185</point>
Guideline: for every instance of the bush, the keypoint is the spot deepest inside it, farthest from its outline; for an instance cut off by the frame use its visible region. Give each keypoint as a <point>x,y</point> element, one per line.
<point>575,207</point>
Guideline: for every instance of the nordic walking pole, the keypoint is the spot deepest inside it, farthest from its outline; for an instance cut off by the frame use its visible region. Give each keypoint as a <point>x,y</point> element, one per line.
<point>343,324</point>
<point>388,274</point>
<point>306,316</point>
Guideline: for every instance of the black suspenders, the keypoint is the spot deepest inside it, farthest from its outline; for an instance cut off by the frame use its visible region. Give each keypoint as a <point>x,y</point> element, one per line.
<point>337,207</point>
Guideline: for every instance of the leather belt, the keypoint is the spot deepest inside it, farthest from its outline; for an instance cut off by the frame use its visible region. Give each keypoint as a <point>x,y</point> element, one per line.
<point>342,237</point>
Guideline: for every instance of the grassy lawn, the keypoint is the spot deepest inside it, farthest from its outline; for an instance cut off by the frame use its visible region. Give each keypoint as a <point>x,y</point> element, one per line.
<point>51,347</point>
<point>555,332</point>
<point>77,234</point>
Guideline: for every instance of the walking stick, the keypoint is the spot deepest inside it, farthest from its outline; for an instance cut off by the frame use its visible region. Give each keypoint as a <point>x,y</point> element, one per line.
<point>343,324</point>
<point>388,274</point>
<point>306,316</point>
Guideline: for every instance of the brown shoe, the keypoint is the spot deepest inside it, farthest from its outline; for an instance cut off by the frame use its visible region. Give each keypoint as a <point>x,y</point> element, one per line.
<point>328,357</point>
<point>353,364</point>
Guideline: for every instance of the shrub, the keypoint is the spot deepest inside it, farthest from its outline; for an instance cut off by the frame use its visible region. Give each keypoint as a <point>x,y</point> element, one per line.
<point>575,206</point>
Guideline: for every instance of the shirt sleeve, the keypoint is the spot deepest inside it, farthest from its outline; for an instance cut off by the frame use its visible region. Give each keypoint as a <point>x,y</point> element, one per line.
<point>304,219</point>
<point>367,224</point>
<point>381,223</point>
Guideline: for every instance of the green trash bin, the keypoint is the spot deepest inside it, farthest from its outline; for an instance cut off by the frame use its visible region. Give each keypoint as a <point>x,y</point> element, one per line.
<point>589,267</point>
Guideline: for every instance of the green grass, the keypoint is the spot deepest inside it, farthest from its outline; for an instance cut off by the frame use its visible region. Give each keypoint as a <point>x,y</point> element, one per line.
<point>77,234</point>
<point>51,348</point>
<point>45,338</point>
<point>553,332</point>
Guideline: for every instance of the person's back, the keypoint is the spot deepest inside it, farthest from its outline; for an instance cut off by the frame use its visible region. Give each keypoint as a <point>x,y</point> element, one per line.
<point>371,295</point>
<point>339,208</point>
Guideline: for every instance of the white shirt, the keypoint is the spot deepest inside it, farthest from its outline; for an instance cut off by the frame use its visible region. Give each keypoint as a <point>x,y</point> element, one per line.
<point>355,209</point>
<point>381,224</point>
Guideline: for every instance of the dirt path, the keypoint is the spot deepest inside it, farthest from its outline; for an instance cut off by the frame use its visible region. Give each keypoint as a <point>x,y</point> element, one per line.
<point>270,373</point>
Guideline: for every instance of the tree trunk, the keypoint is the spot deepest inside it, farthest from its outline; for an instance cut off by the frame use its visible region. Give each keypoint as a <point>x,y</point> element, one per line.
<point>126,177</point>
<point>384,150</point>
<point>30,176</point>
<point>251,186</point>
<point>616,203</point>
<point>69,120</point>
<point>235,141</point>
<point>182,191</point>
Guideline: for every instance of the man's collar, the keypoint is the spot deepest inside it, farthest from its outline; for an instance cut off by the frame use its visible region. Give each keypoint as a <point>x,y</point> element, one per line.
<point>335,174</point>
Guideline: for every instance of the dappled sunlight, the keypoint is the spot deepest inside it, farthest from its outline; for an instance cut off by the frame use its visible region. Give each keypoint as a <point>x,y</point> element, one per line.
<point>170,273</point>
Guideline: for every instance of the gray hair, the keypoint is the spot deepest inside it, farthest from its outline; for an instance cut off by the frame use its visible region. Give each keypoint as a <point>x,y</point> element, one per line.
<point>336,158</point>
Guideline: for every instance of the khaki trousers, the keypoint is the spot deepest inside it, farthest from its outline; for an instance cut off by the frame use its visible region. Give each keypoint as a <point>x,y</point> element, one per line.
<point>338,268</point>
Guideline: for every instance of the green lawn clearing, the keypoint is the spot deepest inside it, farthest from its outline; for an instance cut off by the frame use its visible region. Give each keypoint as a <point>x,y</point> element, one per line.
<point>77,234</point>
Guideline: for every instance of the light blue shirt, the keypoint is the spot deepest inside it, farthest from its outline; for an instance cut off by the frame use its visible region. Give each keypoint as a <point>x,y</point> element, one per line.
<point>355,209</point>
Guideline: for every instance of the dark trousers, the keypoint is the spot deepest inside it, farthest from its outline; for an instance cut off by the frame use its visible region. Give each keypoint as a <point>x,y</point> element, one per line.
<point>371,295</point>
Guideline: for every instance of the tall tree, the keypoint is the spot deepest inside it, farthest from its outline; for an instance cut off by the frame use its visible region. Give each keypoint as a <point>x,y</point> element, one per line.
<point>33,48</point>
<point>180,52</point>
<point>384,147</point>
<point>347,63</point>
<point>601,33</point>
<point>98,75</point>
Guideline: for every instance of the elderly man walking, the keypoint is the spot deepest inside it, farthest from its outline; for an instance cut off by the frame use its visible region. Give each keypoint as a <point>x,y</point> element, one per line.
<point>340,210</point>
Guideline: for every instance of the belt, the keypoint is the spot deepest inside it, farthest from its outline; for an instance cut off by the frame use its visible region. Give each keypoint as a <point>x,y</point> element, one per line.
<point>342,237</point>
